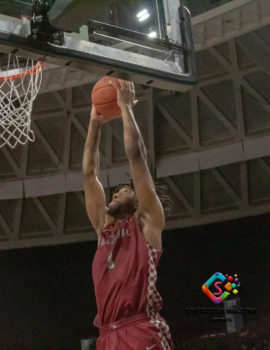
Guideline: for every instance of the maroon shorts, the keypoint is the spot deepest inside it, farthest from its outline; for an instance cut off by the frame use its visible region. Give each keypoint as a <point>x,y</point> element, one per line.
<point>138,332</point>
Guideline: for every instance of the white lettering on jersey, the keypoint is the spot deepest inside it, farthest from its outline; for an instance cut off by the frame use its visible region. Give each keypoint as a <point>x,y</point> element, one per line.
<point>112,238</point>
<point>110,263</point>
<point>150,347</point>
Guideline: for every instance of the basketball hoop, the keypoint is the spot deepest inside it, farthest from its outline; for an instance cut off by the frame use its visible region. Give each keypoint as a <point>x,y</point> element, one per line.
<point>20,80</point>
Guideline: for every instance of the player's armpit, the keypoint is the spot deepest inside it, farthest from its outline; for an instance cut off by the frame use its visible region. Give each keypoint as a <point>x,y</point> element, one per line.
<point>108,218</point>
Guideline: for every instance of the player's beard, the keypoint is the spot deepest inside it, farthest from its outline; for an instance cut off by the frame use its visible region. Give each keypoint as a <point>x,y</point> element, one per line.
<point>120,209</point>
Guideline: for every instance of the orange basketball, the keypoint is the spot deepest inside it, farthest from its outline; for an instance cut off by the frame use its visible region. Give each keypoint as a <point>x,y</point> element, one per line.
<point>104,98</point>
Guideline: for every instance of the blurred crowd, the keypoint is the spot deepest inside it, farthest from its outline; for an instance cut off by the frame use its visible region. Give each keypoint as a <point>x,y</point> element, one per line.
<point>244,340</point>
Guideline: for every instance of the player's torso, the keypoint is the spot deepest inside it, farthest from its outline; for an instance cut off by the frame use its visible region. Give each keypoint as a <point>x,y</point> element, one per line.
<point>122,268</point>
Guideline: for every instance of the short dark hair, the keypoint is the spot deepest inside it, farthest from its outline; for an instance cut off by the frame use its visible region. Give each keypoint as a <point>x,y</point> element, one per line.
<point>161,190</point>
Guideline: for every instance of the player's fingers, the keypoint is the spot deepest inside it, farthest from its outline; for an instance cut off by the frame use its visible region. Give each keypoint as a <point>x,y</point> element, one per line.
<point>113,83</point>
<point>122,84</point>
<point>132,86</point>
<point>125,84</point>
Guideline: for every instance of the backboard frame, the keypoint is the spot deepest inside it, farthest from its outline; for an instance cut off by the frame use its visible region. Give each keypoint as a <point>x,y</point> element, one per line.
<point>88,56</point>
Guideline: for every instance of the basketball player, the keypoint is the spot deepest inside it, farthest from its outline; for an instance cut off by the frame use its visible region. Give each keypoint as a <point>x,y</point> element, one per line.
<point>129,242</point>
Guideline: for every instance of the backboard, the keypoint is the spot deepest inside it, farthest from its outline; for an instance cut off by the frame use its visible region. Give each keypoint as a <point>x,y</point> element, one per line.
<point>147,41</point>
<point>16,8</point>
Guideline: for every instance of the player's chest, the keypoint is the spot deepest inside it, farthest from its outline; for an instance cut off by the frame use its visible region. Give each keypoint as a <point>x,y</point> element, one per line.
<point>116,235</point>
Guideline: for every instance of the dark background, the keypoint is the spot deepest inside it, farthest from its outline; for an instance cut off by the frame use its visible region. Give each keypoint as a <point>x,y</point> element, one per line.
<point>47,298</point>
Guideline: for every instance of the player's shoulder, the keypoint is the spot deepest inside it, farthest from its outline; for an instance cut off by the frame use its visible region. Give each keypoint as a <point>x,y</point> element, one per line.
<point>107,221</point>
<point>151,232</point>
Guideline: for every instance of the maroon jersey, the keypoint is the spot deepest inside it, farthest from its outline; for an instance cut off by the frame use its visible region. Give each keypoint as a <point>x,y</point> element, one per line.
<point>124,273</point>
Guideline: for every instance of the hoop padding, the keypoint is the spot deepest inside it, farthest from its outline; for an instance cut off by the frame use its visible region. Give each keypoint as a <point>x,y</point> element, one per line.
<point>19,86</point>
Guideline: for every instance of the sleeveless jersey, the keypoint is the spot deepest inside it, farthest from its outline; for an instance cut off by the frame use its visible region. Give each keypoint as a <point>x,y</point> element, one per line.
<point>124,273</point>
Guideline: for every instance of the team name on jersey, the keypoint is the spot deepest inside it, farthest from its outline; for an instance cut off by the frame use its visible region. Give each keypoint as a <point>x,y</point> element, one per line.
<point>113,237</point>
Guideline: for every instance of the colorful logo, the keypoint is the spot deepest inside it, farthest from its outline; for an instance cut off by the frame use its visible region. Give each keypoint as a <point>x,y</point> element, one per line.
<point>221,287</point>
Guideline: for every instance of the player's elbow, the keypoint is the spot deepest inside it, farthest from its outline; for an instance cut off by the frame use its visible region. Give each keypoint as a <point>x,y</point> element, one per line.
<point>136,152</point>
<point>89,173</point>
<point>89,168</point>
<point>133,154</point>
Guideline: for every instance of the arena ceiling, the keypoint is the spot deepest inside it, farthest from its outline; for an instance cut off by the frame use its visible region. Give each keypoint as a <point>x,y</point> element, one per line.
<point>211,145</point>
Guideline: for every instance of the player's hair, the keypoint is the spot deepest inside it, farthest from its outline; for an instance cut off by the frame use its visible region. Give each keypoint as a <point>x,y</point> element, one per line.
<point>161,190</point>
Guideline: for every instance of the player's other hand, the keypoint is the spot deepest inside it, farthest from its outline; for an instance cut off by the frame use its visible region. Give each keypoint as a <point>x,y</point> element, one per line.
<point>125,93</point>
<point>100,119</point>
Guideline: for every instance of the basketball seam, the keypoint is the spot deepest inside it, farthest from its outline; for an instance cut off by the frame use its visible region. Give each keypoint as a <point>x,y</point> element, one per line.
<point>102,87</point>
<point>105,103</point>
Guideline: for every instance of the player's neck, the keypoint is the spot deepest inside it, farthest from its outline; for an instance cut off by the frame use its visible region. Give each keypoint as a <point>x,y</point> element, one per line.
<point>122,218</point>
<point>126,216</point>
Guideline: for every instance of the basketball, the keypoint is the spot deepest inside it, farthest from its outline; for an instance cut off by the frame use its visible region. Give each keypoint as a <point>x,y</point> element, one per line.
<point>104,98</point>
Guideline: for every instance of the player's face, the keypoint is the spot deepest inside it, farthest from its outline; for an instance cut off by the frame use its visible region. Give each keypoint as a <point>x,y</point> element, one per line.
<point>123,202</point>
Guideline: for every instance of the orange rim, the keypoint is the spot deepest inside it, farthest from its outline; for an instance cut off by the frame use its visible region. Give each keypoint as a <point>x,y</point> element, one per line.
<point>25,16</point>
<point>33,70</point>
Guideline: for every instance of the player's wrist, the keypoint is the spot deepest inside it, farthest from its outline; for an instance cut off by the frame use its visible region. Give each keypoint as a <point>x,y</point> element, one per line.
<point>96,122</point>
<point>125,105</point>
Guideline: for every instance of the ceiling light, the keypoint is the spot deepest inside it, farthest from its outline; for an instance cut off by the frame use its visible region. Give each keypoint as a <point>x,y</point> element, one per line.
<point>143,15</point>
<point>143,18</point>
<point>152,34</point>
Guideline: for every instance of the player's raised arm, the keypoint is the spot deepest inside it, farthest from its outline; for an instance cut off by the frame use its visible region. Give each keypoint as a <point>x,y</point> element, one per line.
<point>149,203</point>
<point>94,192</point>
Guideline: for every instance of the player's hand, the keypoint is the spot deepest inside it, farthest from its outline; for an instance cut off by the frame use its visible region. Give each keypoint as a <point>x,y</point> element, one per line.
<point>100,119</point>
<point>125,93</point>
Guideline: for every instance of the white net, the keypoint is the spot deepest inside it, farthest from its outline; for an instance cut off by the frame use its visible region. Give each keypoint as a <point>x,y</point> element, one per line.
<point>20,80</point>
